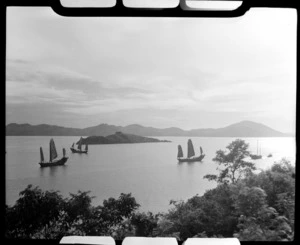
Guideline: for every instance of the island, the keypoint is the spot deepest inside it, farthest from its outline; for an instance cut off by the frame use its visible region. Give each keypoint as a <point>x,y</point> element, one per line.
<point>118,138</point>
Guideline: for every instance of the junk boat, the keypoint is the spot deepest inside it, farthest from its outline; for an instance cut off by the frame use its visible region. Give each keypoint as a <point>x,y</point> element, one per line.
<point>52,156</point>
<point>79,148</point>
<point>190,154</point>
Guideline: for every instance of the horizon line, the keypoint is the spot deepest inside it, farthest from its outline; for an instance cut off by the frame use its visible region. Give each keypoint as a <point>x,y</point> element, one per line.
<point>293,133</point>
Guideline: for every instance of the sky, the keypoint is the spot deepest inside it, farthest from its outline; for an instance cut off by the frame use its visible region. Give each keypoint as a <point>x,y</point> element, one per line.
<point>160,72</point>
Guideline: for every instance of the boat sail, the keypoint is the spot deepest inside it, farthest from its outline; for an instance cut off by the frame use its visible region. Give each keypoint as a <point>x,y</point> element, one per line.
<point>52,156</point>
<point>42,154</point>
<point>53,152</point>
<point>79,144</point>
<point>79,147</point>
<point>180,152</point>
<point>191,153</point>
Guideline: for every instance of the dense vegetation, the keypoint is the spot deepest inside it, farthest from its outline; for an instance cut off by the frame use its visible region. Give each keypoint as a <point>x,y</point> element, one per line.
<point>246,204</point>
<point>118,138</point>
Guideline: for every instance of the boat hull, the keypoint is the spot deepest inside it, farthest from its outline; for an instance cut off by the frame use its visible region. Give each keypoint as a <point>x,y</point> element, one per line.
<point>255,157</point>
<point>78,151</point>
<point>195,159</point>
<point>59,162</point>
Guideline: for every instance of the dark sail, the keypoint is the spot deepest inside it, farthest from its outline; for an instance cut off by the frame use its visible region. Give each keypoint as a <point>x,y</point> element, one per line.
<point>42,154</point>
<point>191,151</point>
<point>201,151</point>
<point>53,153</point>
<point>64,152</point>
<point>180,152</point>
<point>79,144</point>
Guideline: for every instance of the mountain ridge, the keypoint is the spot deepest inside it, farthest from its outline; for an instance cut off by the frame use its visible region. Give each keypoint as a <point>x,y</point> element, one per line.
<point>240,129</point>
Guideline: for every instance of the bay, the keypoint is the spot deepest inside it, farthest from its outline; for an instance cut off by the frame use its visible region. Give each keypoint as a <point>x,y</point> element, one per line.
<point>149,171</point>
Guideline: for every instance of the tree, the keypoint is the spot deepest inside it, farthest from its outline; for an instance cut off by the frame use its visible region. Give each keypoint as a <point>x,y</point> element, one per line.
<point>106,219</point>
<point>33,210</point>
<point>250,200</point>
<point>79,205</point>
<point>267,225</point>
<point>235,166</point>
<point>224,196</point>
<point>278,182</point>
<point>197,217</point>
<point>145,223</point>
<point>258,221</point>
<point>45,214</point>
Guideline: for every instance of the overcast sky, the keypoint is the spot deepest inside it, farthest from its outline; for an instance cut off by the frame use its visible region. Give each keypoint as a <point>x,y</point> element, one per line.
<point>168,72</point>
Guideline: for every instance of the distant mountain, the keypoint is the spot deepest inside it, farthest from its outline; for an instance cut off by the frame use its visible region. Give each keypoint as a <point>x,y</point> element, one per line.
<point>40,130</point>
<point>118,138</point>
<point>241,129</point>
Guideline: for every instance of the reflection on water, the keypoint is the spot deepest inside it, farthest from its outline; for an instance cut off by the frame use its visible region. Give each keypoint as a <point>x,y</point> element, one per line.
<point>53,170</point>
<point>42,171</point>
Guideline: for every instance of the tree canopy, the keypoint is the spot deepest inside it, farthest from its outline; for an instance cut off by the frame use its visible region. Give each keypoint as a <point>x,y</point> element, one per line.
<point>233,162</point>
<point>45,214</point>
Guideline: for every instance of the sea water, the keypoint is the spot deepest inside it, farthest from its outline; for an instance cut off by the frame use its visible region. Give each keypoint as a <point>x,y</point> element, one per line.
<point>149,171</point>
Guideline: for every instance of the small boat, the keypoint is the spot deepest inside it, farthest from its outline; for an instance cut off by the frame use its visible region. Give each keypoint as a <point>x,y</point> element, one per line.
<point>270,155</point>
<point>53,154</point>
<point>190,155</point>
<point>79,148</point>
<point>255,157</point>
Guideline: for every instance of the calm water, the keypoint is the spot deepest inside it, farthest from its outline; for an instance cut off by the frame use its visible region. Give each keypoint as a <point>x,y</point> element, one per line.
<point>149,171</point>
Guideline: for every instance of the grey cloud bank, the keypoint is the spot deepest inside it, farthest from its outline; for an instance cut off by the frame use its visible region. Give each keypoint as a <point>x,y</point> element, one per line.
<point>158,72</point>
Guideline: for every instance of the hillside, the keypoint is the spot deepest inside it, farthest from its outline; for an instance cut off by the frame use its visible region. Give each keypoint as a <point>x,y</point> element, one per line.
<point>241,129</point>
<point>118,138</point>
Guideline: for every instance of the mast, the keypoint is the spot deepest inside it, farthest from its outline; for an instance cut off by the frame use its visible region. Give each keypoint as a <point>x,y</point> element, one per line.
<point>73,145</point>
<point>180,152</point>
<point>191,151</point>
<point>86,147</point>
<point>53,153</point>
<point>42,154</point>
<point>201,151</point>
<point>64,152</point>
<point>257,148</point>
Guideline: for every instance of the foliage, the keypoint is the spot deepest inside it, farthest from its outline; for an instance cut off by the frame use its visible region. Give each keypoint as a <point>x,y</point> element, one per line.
<point>267,225</point>
<point>145,223</point>
<point>236,167</point>
<point>245,208</point>
<point>250,200</point>
<point>278,182</point>
<point>250,206</point>
<point>198,217</point>
<point>33,210</point>
<point>107,219</point>
<point>78,205</point>
<point>39,214</point>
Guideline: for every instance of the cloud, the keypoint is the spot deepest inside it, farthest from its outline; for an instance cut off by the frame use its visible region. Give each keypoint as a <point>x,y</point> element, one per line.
<point>79,95</point>
<point>130,68</point>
